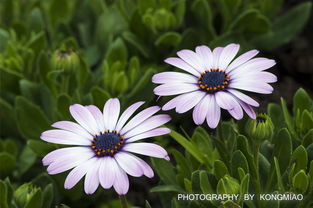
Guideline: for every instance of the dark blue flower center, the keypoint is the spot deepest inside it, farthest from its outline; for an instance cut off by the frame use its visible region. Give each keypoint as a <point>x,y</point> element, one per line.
<point>107,143</point>
<point>213,80</point>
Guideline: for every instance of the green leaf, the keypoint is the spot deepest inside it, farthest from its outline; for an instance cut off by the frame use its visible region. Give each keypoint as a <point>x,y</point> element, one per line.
<point>41,148</point>
<point>137,43</point>
<point>203,14</point>
<point>300,158</point>
<point>276,114</point>
<point>30,119</point>
<point>47,196</point>
<point>301,101</point>
<point>300,181</point>
<point>205,185</point>
<point>168,39</point>
<point>282,148</point>
<point>117,51</point>
<point>7,114</point>
<point>239,160</point>
<point>167,188</point>
<point>285,27</point>
<point>182,164</point>
<point>195,182</point>
<point>7,163</point>
<point>26,159</point>
<point>192,149</point>
<point>63,103</point>
<point>3,194</point>
<point>244,186</point>
<point>100,96</point>
<point>220,169</point>
<point>306,121</point>
<point>35,201</point>
<point>287,117</point>
<point>164,170</point>
<point>59,11</point>
<point>278,175</point>
<point>250,21</point>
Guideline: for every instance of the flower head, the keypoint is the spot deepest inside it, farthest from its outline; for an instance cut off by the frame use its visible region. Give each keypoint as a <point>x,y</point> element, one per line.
<point>260,128</point>
<point>104,143</point>
<point>214,81</point>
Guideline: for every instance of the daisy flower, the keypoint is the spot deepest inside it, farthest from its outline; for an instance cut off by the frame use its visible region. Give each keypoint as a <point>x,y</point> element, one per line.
<point>214,81</point>
<point>104,143</point>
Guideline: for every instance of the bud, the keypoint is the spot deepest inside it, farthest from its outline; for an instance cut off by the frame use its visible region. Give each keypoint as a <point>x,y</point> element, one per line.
<point>24,194</point>
<point>228,185</point>
<point>260,128</point>
<point>65,60</point>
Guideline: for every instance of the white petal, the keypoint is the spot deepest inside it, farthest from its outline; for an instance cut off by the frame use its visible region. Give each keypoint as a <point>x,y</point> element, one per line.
<point>225,100</point>
<point>174,89</point>
<point>192,59</point>
<point>216,56</point>
<point>147,125</point>
<point>111,112</point>
<point>179,63</point>
<point>107,172</point>
<point>127,114</point>
<point>148,149</point>
<point>65,137</point>
<point>201,110</point>
<point>214,113</point>
<point>72,127</point>
<point>139,118</point>
<point>206,56</point>
<point>128,163</point>
<point>84,118</point>
<point>97,114</point>
<point>148,134</point>
<point>192,100</point>
<point>169,77</point>
<point>147,170</point>
<point>253,65</point>
<point>92,178</point>
<point>121,184</point>
<point>242,59</point>
<point>243,97</point>
<point>227,55</point>
<point>78,173</point>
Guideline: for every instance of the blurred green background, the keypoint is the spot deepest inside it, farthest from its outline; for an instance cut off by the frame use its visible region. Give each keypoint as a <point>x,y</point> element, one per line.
<point>54,53</point>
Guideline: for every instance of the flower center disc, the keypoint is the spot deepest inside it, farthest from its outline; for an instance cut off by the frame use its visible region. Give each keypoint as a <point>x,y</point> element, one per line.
<point>213,80</point>
<point>107,143</point>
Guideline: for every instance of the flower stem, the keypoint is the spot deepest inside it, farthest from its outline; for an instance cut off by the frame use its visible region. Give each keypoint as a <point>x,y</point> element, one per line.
<point>123,201</point>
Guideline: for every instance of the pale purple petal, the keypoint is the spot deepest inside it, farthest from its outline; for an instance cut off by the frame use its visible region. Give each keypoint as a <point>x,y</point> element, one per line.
<point>139,118</point>
<point>192,59</point>
<point>260,76</point>
<point>127,114</point>
<point>205,55</point>
<point>65,152</point>
<point>147,170</point>
<point>179,63</point>
<point>243,97</point>
<point>216,56</point>
<point>147,125</point>
<point>176,77</point>
<point>236,112</point>
<point>107,172</point>
<point>227,55</point>
<point>121,184</point>
<point>214,113</point>
<point>97,114</point>
<point>175,101</point>
<point>248,109</point>
<point>174,89</point>
<point>65,137</point>
<point>192,100</point>
<point>148,134</point>
<point>128,163</point>
<point>251,86</point>
<point>242,59</point>
<point>84,118</point>
<point>92,178</point>
<point>68,162</point>
<point>72,127</point>
<point>78,173</point>
<point>225,100</point>
<point>201,110</point>
<point>253,65</point>
<point>111,112</point>
<point>148,149</point>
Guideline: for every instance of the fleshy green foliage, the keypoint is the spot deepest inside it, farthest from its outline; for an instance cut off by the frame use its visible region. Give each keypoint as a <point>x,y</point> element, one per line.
<point>225,162</point>
<point>118,46</point>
